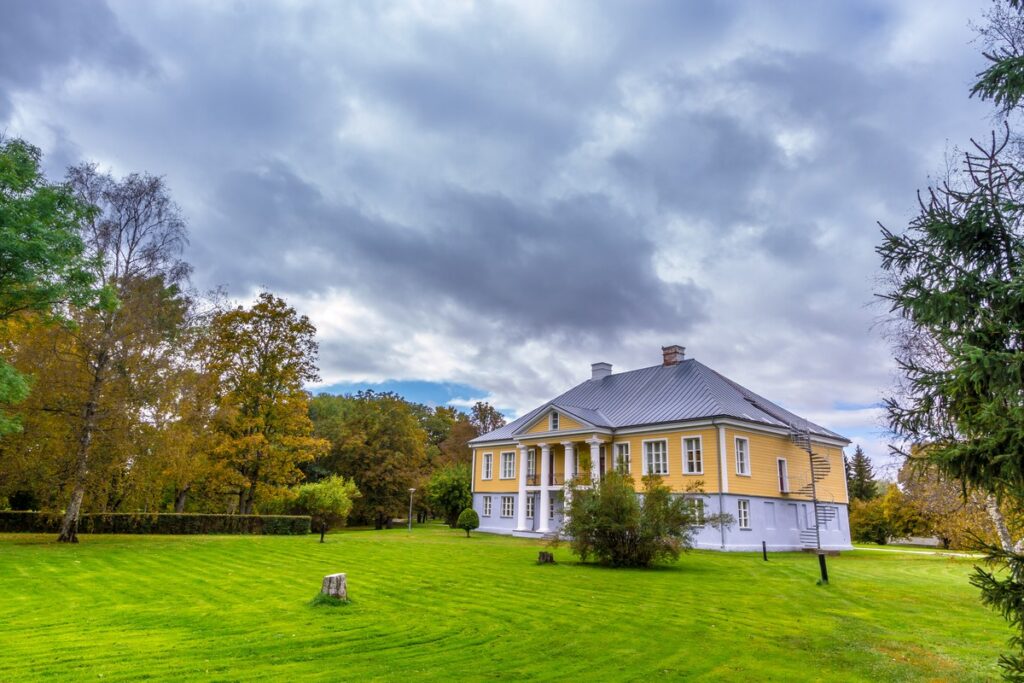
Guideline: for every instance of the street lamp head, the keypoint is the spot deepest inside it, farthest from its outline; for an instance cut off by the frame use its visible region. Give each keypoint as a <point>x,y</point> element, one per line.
<point>412,490</point>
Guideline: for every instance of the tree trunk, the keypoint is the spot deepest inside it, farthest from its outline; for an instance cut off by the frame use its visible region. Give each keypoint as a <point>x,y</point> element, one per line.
<point>69,525</point>
<point>180,497</point>
<point>1005,540</point>
<point>378,522</point>
<point>323,530</point>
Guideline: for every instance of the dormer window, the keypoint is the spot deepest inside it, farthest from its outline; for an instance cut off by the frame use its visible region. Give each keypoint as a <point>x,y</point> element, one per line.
<point>554,421</point>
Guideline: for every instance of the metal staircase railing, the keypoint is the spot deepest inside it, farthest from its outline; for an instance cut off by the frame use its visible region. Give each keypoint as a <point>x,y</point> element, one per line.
<point>810,537</point>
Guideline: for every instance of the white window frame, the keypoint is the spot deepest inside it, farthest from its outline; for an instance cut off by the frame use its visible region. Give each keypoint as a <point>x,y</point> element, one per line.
<point>531,462</point>
<point>698,503</point>
<point>511,468</point>
<point>487,469</point>
<point>647,463</point>
<point>531,504</point>
<point>622,457</point>
<point>508,506</point>
<point>487,506</point>
<point>553,421</point>
<point>782,469</point>
<point>743,514</point>
<point>746,456</point>
<point>699,469</point>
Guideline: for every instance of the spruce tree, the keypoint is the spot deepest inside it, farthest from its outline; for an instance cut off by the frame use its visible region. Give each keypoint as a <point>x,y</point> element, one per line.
<point>956,289</point>
<point>860,477</point>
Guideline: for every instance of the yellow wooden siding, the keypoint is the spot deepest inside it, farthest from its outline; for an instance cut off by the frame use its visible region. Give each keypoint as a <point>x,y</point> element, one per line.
<point>676,478</point>
<point>565,423</point>
<point>765,450</point>
<point>496,484</point>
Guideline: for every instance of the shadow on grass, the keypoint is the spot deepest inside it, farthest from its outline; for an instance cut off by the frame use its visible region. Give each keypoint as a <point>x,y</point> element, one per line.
<point>324,600</point>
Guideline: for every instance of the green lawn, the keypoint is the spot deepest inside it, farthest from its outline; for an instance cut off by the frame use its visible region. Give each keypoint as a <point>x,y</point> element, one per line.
<point>435,605</point>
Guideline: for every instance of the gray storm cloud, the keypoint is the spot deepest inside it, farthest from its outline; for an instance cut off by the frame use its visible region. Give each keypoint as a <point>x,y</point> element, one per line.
<point>498,194</point>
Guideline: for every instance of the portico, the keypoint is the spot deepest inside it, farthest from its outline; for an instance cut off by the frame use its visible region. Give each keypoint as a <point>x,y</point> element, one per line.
<point>542,475</point>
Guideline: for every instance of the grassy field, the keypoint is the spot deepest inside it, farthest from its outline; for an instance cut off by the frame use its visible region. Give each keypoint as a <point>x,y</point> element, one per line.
<point>435,605</point>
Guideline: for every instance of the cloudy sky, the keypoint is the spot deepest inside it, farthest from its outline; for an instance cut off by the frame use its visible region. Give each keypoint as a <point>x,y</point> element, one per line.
<point>477,200</point>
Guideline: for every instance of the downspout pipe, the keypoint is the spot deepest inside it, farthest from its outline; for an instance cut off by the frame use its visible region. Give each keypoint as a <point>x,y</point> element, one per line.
<point>722,459</point>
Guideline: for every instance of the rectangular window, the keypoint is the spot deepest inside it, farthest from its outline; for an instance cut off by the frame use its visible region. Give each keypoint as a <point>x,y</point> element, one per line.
<point>656,457</point>
<point>697,507</point>
<point>742,456</point>
<point>508,506</point>
<point>554,422</point>
<point>622,457</point>
<point>488,472</point>
<point>769,515</point>
<point>693,461</point>
<point>487,506</point>
<point>531,462</point>
<point>530,503</point>
<point>508,465</point>
<point>551,508</point>
<point>783,476</point>
<point>743,513</point>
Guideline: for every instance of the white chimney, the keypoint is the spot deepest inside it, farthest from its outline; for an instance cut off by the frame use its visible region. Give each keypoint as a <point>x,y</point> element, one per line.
<point>600,370</point>
<point>672,355</point>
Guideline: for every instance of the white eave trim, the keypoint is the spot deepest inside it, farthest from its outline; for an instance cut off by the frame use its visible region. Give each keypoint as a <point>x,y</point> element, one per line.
<point>731,422</point>
<point>521,433</point>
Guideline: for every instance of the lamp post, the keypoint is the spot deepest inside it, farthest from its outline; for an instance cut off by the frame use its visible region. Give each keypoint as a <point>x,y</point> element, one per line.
<point>411,491</point>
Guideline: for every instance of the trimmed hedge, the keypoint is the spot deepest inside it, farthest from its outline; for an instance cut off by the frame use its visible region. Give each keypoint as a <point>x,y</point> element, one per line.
<point>157,523</point>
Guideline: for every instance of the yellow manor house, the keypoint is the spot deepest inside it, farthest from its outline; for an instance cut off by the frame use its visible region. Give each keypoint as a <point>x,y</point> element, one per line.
<point>781,477</point>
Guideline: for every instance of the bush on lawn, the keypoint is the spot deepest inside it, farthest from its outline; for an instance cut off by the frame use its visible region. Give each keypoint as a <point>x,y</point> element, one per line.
<point>468,520</point>
<point>328,501</point>
<point>609,522</point>
<point>157,523</point>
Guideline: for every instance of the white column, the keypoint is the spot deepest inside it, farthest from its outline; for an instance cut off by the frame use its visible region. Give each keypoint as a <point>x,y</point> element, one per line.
<point>521,502</point>
<point>570,460</point>
<point>570,457</point>
<point>595,461</point>
<point>545,492</point>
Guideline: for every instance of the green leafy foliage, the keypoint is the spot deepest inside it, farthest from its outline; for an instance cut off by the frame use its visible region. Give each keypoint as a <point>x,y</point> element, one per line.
<point>468,520</point>
<point>42,263</point>
<point>41,253</point>
<point>449,492</point>
<point>882,518</point>
<point>328,501</point>
<point>376,440</point>
<point>611,524</point>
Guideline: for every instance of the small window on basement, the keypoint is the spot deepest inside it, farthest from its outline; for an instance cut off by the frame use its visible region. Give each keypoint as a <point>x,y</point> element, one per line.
<point>743,516</point>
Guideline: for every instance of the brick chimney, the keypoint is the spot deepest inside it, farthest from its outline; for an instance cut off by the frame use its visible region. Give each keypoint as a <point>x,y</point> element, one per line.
<point>672,355</point>
<point>600,370</point>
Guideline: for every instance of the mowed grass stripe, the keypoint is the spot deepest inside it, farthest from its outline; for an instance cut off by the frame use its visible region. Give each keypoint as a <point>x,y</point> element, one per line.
<point>435,605</point>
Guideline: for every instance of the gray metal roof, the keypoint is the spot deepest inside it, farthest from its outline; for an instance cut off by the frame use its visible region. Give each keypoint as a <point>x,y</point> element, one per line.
<point>660,394</point>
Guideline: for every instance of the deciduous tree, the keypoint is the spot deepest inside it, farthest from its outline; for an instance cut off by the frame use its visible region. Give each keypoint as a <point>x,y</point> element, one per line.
<point>262,357</point>
<point>134,238</point>
<point>486,417</point>
<point>43,267</point>
<point>376,440</point>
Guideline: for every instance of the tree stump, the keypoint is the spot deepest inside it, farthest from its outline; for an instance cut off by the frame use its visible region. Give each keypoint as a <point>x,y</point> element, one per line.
<point>545,558</point>
<point>336,586</point>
